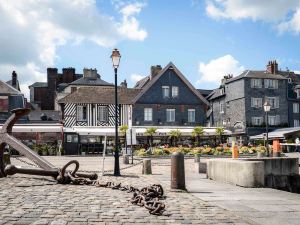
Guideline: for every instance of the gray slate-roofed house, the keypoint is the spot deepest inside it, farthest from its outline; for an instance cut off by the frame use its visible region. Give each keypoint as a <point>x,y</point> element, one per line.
<point>10,98</point>
<point>238,103</point>
<point>293,97</point>
<point>167,98</point>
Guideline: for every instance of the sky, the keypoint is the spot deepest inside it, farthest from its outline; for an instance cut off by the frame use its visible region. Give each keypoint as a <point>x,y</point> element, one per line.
<point>205,39</point>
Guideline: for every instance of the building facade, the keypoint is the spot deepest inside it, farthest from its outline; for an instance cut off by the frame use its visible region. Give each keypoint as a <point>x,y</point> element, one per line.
<point>164,99</point>
<point>168,99</point>
<point>42,94</point>
<point>10,98</point>
<point>238,103</point>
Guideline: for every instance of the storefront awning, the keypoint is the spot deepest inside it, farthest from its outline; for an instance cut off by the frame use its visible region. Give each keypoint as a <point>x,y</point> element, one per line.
<point>37,128</point>
<point>140,131</point>
<point>278,133</point>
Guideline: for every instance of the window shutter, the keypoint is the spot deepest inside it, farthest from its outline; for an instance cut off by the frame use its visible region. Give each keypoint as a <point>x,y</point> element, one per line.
<point>252,102</point>
<point>252,83</point>
<point>266,83</point>
<point>276,84</point>
<point>277,102</point>
<point>277,120</point>
<point>260,102</point>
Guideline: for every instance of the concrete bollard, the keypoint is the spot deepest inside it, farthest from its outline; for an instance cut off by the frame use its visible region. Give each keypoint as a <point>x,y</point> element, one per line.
<point>125,159</point>
<point>276,148</point>
<point>235,151</point>
<point>177,171</point>
<point>197,158</point>
<point>147,166</point>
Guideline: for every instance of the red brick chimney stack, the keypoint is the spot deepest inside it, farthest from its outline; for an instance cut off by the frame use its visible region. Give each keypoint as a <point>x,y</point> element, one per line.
<point>14,79</point>
<point>272,67</point>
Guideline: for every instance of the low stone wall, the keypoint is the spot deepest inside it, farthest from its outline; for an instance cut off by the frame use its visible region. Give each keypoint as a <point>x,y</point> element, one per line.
<point>279,165</point>
<point>237,172</point>
<point>273,172</point>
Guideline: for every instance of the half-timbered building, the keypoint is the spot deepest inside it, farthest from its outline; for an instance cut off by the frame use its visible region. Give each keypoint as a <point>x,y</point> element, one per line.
<point>89,115</point>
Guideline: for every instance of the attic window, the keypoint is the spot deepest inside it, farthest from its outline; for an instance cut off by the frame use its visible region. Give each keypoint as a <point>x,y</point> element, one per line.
<point>222,91</point>
<point>289,80</point>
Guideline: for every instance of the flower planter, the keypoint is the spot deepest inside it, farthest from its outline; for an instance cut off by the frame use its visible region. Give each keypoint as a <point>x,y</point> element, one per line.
<point>260,154</point>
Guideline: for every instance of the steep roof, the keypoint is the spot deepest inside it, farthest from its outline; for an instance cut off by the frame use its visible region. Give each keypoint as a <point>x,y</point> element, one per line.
<point>89,81</point>
<point>35,115</point>
<point>217,93</point>
<point>39,84</point>
<point>205,92</point>
<point>18,84</point>
<point>141,83</point>
<point>8,89</point>
<point>101,95</point>
<point>256,74</point>
<point>179,74</point>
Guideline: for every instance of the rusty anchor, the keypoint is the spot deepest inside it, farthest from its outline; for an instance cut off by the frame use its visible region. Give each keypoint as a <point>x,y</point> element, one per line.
<point>46,168</point>
<point>148,197</point>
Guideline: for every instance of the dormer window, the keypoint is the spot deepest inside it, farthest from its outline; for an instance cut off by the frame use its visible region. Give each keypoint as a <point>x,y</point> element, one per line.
<point>297,90</point>
<point>222,91</point>
<point>166,91</point>
<point>298,93</point>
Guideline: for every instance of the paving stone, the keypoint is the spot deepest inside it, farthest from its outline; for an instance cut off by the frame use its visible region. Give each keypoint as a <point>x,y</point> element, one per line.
<point>39,201</point>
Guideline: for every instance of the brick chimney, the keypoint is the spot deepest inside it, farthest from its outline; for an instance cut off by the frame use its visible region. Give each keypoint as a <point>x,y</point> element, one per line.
<point>14,78</point>
<point>272,67</point>
<point>90,73</point>
<point>154,71</point>
<point>68,75</point>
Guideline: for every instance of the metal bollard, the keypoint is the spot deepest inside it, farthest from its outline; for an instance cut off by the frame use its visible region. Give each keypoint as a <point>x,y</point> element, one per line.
<point>177,171</point>
<point>197,158</point>
<point>147,166</point>
<point>6,158</point>
<point>125,159</point>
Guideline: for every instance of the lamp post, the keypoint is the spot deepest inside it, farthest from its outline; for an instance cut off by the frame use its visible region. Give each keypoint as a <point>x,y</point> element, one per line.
<point>115,56</point>
<point>267,108</point>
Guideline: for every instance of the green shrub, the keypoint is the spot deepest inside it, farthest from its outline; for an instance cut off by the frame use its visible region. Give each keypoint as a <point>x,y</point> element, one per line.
<point>158,151</point>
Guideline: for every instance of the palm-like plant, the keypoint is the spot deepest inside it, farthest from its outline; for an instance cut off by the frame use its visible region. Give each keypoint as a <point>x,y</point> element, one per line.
<point>150,132</point>
<point>123,129</point>
<point>174,135</point>
<point>197,133</point>
<point>220,131</point>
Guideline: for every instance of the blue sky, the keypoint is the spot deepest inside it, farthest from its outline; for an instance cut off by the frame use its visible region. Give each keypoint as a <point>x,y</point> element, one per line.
<point>206,39</point>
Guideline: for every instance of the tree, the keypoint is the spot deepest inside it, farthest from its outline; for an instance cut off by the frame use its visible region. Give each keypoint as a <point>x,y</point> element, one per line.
<point>197,133</point>
<point>150,132</point>
<point>220,131</point>
<point>123,129</point>
<point>174,135</point>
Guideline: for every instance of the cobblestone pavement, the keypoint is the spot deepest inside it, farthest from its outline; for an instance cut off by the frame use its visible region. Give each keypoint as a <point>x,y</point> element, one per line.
<point>28,200</point>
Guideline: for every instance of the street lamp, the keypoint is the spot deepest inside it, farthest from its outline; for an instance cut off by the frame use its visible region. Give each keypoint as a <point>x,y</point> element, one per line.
<point>267,108</point>
<point>115,56</point>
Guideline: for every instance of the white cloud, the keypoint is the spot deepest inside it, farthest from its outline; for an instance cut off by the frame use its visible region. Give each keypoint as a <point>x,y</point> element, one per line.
<point>31,32</point>
<point>255,9</point>
<point>130,26</point>
<point>215,69</point>
<point>284,14</point>
<point>292,25</point>
<point>136,77</point>
<point>297,71</point>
